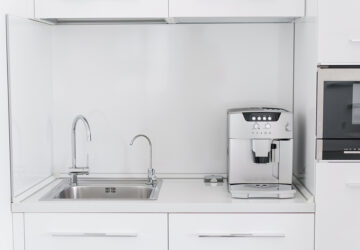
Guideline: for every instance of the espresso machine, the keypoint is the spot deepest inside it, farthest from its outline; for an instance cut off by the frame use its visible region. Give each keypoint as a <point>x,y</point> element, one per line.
<point>260,153</point>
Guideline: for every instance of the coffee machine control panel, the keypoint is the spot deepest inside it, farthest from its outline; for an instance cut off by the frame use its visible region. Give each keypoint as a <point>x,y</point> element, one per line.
<point>260,123</point>
<point>262,116</point>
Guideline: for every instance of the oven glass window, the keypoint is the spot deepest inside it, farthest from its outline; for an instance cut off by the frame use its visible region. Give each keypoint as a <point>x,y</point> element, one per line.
<point>341,117</point>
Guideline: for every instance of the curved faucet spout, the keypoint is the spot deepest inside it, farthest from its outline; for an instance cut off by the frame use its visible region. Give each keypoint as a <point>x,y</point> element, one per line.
<point>151,172</point>
<point>75,170</point>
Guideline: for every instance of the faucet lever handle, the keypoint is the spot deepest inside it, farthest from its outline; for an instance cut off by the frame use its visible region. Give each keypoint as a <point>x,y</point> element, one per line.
<point>79,170</point>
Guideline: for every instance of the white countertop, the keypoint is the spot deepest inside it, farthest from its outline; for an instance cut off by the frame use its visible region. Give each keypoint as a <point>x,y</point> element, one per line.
<point>176,196</point>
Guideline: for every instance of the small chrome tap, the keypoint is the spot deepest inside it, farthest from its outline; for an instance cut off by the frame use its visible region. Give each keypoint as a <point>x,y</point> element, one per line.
<point>151,179</point>
<point>74,171</point>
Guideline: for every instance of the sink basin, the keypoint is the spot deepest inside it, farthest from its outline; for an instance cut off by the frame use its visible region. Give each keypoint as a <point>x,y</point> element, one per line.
<point>104,189</point>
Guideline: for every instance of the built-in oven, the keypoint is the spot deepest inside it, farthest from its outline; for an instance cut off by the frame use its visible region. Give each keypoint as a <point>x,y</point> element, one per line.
<point>338,114</point>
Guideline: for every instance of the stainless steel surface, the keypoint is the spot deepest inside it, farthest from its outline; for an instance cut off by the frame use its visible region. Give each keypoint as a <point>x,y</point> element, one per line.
<point>74,171</point>
<point>319,149</point>
<point>279,191</point>
<point>94,235</point>
<point>151,172</point>
<point>243,235</point>
<point>260,154</point>
<point>329,74</point>
<point>213,178</point>
<point>105,189</point>
<point>351,152</point>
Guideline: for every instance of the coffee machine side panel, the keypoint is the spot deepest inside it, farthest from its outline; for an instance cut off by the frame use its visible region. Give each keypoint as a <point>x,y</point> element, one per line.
<point>242,168</point>
<point>286,162</point>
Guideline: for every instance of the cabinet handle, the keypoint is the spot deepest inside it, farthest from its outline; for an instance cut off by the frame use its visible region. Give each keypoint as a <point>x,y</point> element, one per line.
<point>353,184</point>
<point>243,235</point>
<point>355,40</point>
<point>108,235</point>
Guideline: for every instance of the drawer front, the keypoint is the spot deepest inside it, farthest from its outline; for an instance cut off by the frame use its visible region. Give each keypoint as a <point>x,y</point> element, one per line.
<point>241,231</point>
<point>95,231</point>
<point>101,8</point>
<point>337,206</point>
<point>339,32</point>
<point>236,8</point>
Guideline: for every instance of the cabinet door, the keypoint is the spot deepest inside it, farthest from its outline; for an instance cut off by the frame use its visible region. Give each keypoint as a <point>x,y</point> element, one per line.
<point>101,8</point>
<point>241,231</point>
<point>339,32</point>
<point>337,206</point>
<point>236,8</point>
<point>60,231</point>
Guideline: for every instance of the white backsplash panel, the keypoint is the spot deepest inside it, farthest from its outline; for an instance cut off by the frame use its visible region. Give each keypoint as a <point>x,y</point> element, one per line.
<point>172,82</point>
<point>30,89</point>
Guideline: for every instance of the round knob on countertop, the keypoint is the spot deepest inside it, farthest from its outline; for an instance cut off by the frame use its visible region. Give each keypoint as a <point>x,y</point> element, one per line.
<point>267,126</point>
<point>256,126</point>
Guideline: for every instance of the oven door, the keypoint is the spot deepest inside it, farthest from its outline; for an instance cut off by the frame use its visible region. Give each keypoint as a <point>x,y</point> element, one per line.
<point>338,114</point>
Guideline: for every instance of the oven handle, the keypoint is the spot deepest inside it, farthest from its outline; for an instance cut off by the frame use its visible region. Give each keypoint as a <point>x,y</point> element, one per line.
<point>351,152</point>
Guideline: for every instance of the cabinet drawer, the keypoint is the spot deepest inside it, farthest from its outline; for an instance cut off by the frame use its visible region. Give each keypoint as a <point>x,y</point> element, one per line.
<point>337,206</point>
<point>101,8</point>
<point>339,32</point>
<point>236,8</point>
<point>60,231</point>
<point>241,231</point>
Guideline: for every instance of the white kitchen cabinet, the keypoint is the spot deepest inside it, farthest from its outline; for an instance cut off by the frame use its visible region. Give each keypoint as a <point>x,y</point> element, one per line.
<point>91,231</point>
<point>339,31</point>
<point>337,206</point>
<point>101,8</point>
<point>236,8</point>
<point>241,231</point>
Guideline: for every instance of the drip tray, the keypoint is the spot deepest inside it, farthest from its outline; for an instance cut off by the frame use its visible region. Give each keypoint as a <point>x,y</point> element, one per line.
<point>258,190</point>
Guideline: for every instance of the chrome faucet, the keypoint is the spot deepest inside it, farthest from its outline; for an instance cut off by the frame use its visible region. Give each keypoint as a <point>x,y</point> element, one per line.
<point>151,179</point>
<point>74,171</point>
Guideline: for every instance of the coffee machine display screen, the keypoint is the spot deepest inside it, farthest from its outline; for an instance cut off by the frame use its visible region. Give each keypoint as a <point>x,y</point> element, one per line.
<point>261,116</point>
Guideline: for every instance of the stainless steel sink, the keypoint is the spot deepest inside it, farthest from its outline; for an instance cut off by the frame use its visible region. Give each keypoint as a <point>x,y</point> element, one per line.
<point>104,189</point>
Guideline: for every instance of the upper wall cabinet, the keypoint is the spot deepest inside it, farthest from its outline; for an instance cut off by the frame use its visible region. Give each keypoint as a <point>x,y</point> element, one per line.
<point>339,32</point>
<point>109,9</point>
<point>236,8</point>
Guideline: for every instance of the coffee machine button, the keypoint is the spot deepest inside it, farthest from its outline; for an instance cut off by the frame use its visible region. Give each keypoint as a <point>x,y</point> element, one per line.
<point>256,126</point>
<point>267,126</point>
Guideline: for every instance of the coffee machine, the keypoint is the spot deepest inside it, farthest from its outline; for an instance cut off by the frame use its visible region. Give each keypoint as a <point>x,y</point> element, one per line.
<point>260,153</point>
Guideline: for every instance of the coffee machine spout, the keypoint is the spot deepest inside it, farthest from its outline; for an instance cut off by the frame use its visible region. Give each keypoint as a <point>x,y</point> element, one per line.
<point>261,150</point>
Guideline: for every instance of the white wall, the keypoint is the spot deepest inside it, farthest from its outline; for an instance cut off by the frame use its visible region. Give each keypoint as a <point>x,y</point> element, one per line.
<point>30,101</point>
<point>171,82</point>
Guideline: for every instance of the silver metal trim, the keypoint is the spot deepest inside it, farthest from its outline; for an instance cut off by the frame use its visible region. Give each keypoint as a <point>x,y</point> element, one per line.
<point>351,152</point>
<point>243,235</point>
<point>319,149</point>
<point>330,74</point>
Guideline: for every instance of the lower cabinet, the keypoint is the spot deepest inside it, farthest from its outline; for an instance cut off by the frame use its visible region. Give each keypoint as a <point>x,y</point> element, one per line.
<point>241,231</point>
<point>90,231</point>
<point>337,206</point>
<point>137,231</point>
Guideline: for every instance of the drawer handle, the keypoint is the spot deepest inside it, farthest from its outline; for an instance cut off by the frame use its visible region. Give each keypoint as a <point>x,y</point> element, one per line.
<point>355,40</point>
<point>108,235</point>
<point>243,235</point>
<point>353,184</point>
